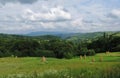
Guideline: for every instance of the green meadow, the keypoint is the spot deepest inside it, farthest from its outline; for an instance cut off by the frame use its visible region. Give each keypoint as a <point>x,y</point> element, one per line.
<point>99,66</point>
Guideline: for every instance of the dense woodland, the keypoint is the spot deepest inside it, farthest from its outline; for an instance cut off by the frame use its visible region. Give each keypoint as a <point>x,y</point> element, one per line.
<point>54,46</point>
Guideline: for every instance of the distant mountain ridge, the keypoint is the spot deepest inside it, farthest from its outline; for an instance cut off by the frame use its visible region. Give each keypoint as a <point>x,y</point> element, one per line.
<point>66,35</point>
<point>39,33</point>
<point>56,35</point>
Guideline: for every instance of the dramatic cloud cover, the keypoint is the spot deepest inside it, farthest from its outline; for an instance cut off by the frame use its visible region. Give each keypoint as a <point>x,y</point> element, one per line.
<point>25,16</point>
<point>19,1</point>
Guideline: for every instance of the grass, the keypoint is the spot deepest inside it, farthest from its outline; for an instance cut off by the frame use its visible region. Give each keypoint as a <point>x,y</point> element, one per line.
<point>58,68</point>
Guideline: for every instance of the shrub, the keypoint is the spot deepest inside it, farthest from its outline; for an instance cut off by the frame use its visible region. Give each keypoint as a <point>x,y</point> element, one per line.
<point>90,52</point>
<point>68,55</point>
<point>85,51</point>
<point>46,53</point>
<point>117,48</point>
<point>1,54</point>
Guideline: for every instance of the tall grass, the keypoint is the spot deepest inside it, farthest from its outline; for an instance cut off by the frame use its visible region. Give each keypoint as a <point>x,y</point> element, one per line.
<point>98,66</point>
<point>88,72</point>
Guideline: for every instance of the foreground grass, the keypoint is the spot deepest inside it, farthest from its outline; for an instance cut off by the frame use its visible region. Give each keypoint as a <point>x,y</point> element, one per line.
<point>32,67</point>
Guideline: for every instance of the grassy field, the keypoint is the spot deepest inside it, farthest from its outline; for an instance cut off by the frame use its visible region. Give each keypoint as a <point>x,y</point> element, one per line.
<point>98,66</point>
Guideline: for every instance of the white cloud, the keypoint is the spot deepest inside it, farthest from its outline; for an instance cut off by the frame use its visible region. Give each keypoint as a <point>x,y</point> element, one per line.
<point>77,22</point>
<point>58,15</point>
<point>116,13</point>
<point>54,14</point>
<point>49,25</point>
<point>18,1</point>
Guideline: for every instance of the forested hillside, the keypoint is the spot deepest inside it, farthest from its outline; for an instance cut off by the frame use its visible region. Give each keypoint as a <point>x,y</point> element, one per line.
<point>54,46</point>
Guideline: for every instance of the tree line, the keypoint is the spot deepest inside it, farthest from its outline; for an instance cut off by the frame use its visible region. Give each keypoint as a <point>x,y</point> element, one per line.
<point>56,47</point>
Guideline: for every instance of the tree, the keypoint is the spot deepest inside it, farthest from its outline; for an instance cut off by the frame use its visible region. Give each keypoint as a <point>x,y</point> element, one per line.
<point>25,47</point>
<point>105,43</point>
<point>61,48</point>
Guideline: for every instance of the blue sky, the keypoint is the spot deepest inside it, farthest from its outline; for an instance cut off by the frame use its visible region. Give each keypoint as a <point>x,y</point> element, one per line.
<point>25,16</point>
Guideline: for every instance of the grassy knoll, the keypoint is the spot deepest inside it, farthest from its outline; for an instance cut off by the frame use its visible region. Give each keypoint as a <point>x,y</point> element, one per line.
<point>33,67</point>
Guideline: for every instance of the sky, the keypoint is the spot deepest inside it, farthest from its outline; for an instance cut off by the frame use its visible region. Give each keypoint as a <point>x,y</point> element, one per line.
<point>25,16</point>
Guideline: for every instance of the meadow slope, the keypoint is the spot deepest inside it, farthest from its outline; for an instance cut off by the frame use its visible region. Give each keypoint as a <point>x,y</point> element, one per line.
<point>11,66</point>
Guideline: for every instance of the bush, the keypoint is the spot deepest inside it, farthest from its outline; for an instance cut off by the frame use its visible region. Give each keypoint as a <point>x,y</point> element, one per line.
<point>68,55</point>
<point>85,51</point>
<point>1,54</point>
<point>90,52</point>
<point>7,54</point>
<point>46,53</point>
<point>117,48</point>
